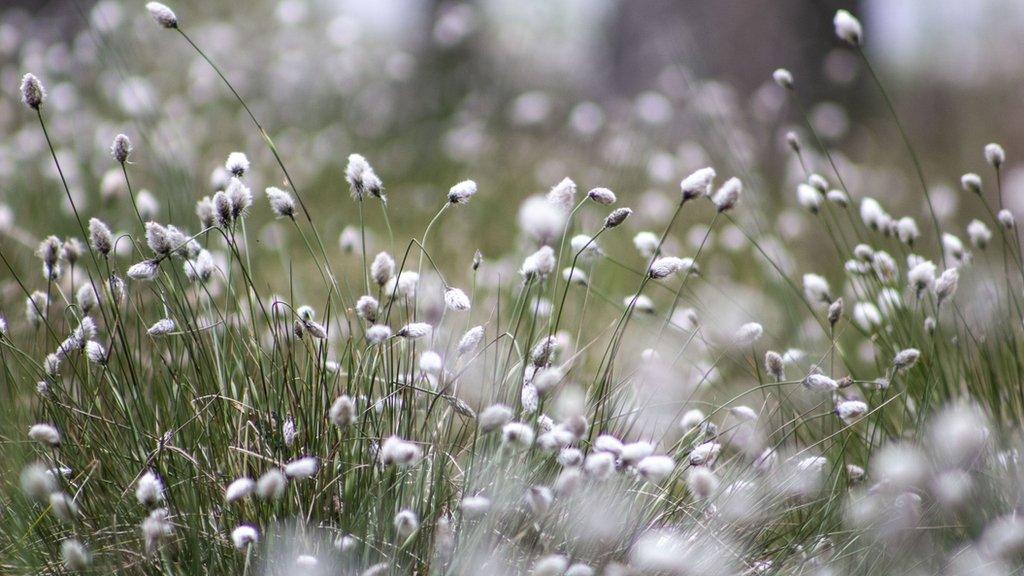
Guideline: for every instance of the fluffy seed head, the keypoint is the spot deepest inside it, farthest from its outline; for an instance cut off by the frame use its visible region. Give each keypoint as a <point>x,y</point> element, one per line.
<point>100,237</point>
<point>398,452</point>
<point>905,359</point>
<point>748,333</point>
<point>702,482</point>
<point>848,28</point>
<point>343,411</point>
<point>414,330</point>
<point>239,489</point>
<point>382,269</point>
<point>946,285</point>
<point>971,182</point>
<point>406,523</point>
<point>456,300</point>
<point>475,506</point>
<point>163,15</point>
<point>809,197</point>
<point>698,184</point>
<point>835,311</point>
<point>728,195</point>
<point>243,536</point>
<point>302,467</point>
<point>32,92</point>
<point>121,148</point>
<point>820,383</point>
<point>45,434</point>
<point>539,264</point>
<point>563,194</point>
<point>470,340</point>
<point>517,434</point>
<point>669,265</point>
<point>774,365</point>
<point>602,196</point>
<point>816,289</point>
<point>995,155</point>
<point>271,484</point>
<point>783,78</point>
<point>378,333</point>
<point>75,556</point>
<point>361,178</point>
<point>95,352</point>
<point>617,217</point>
<point>850,410</point>
<point>149,490</point>
<point>281,202</point>
<point>462,192</point>
<point>979,234</point>
<point>1006,219</point>
<point>145,270</point>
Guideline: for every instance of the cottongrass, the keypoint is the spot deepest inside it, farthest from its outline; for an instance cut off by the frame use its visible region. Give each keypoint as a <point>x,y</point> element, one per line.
<point>570,423</point>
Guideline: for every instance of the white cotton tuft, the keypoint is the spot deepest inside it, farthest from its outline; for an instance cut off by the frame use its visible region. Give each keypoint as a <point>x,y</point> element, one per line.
<point>415,330</point>
<point>470,340</point>
<point>149,490</point>
<point>237,164</point>
<point>243,536</point>
<point>343,411</point>
<point>539,264</point>
<point>240,488</point>
<point>462,192</point>
<point>728,195</point>
<point>456,300</point>
<point>163,15</point>
<point>602,196</point>
<point>783,78</point>
<point>698,184</point>
<point>563,194</point>
<point>848,28</point>
<point>45,434</point>
<point>281,203</point>
<point>995,155</point>
<point>302,467</point>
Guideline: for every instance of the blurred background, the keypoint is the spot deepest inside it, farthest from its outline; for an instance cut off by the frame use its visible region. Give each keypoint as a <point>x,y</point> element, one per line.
<point>515,94</point>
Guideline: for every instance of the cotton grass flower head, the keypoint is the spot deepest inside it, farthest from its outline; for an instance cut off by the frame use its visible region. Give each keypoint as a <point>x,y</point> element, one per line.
<point>163,15</point>
<point>540,220</point>
<point>33,94</point>
<point>1006,219</point>
<point>850,410</point>
<point>493,417</point>
<point>397,452</point>
<point>406,522</point>
<point>971,182</point>
<point>382,269</point>
<point>563,194</point>
<point>271,484</point>
<point>774,365</point>
<point>121,148</point>
<point>362,180</point>
<point>848,28</point>
<point>304,467</point>
<point>456,300</point>
<point>474,506</point>
<point>905,359</point>
<point>921,278</point>
<point>470,340</point>
<point>748,333</point>
<point>816,289</point>
<point>702,482</point>
<point>946,285</point>
<point>343,411</point>
<point>646,243</point>
<point>95,353</point>
<point>728,195</point>
<point>462,192</point>
<point>239,489</point>
<point>100,237</point>
<point>244,536</point>
<point>907,231</point>
<point>539,264</point>
<point>281,203</point>
<point>237,164</point>
<point>698,184</point>
<point>367,308</point>
<point>75,555</point>
<point>669,265</point>
<point>995,155</point>
<point>784,78</point>
<point>45,434</point>
<point>378,333</point>
<point>979,234</point>
<point>404,285</point>
<point>617,217</point>
<point>517,435</point>
<point>550,565</point>
<point>415,330</point>
<point>602,196</point>
<point>149,490</point>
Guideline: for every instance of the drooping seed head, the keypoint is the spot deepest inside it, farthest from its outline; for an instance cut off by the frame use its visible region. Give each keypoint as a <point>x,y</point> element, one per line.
<point>163,15</point>
<point>1006,219</point>
<point>816,289</point>
<point>539,264</point>
<point>456,300</point>
<point>398,452</point>
<point>698,184</point>
<point>145,270</point>
<point>362,180</point>
<point>848,28</point>
<point>95,353</point>
<point>946,285</point>
<point>602,196</point>
<point>462,192</point>
<point>378,333</point>
<point>32,92</point>
<point>783,78</point>
<point>271,484</point>
<point>979,234</point>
